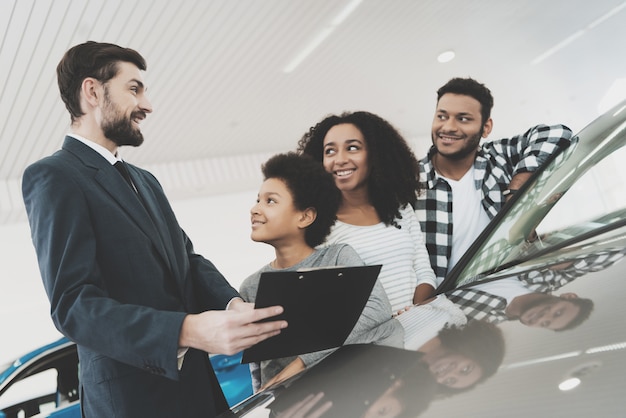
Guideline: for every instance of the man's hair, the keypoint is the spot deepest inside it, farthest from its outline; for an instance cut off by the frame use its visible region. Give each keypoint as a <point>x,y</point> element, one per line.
<point>393,181</point>
<point>480,341</point>
<point>585,307</point>
<point>91,59</point>
<point>310,187</point>
<point>470,87</point>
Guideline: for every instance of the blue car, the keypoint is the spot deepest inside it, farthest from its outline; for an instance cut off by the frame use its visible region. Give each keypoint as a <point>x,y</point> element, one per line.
<point>44,382</point>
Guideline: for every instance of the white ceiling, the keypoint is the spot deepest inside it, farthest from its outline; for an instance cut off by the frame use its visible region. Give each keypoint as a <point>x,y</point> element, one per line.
<point>222,103</point>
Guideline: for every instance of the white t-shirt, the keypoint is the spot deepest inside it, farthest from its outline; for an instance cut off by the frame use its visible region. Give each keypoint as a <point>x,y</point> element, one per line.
<point>469,218</point>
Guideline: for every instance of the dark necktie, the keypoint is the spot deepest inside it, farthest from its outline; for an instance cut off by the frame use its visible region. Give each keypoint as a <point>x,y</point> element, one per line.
<point>121,167</point>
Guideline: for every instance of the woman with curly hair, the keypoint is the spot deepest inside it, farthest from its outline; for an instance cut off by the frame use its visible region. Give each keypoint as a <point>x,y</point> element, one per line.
<point>377,174</point>
<point>460,357</point>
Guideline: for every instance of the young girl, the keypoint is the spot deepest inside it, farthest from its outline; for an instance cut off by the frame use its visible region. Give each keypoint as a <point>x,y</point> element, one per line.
<point>294,213</point>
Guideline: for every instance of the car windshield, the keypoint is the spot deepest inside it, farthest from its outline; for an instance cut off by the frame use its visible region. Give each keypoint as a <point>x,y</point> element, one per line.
<point>576,201</point>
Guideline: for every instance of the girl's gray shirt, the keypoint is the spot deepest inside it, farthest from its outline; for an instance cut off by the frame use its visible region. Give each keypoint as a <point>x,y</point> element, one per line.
<point>375,325</point>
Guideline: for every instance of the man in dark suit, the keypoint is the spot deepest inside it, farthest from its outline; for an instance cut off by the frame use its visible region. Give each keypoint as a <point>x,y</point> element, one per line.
<point>122,277</point>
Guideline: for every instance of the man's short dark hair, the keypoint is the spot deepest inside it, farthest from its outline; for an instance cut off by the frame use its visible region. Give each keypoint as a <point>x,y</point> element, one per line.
<point>470,87</point>
<point>310,187</point>
<point>585,307</point>
<point>91,59</point>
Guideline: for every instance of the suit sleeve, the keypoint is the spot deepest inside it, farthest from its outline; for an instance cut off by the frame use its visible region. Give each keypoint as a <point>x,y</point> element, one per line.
<point>69,255</point>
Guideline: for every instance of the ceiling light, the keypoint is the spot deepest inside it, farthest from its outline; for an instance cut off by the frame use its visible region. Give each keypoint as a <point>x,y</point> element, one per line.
<point>569,384</point>
<point>446,56</point>
<point>610,347</point>
<point>322,35</point>
<point>347,11</point>
<point>547,54</point>
<point>308,49</point>
<point>565,42</point>
<point>543,360</point>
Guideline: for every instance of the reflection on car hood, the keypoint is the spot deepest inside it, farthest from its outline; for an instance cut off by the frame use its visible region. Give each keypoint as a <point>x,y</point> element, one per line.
<point>542,290</point>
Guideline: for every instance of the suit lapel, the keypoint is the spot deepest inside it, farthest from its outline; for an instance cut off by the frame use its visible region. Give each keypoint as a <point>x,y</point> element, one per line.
<point>116,187</point>
<point>152,207</point>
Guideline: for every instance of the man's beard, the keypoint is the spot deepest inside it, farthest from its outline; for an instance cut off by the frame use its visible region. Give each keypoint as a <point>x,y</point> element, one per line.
<point>470,147</point>
<point>118,128</point>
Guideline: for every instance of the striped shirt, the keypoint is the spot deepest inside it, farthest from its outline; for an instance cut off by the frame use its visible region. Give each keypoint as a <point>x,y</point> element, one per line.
<point>402,253</point>
<point>423,322</point>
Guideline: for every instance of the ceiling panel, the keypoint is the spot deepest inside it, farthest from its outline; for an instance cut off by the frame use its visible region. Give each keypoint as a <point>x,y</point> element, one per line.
<point>221,98</point>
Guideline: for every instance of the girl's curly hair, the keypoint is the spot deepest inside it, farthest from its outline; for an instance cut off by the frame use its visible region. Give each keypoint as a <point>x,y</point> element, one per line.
<point>310,187</point>
<point>394,170</point>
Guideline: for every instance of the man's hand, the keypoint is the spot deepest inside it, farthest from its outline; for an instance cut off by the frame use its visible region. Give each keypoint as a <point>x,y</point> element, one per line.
<point>519,179</point>
<point>229,332</point>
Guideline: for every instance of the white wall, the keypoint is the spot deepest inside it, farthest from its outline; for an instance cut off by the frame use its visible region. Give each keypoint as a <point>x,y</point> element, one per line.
<point>24,319</point>
<point>219,227</point>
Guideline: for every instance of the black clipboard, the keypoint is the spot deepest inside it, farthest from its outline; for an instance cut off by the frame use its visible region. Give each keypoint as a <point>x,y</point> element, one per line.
<point>321,307</point>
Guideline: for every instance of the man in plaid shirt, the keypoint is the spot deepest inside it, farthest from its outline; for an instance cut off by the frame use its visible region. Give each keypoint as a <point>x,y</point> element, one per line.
<point>528,297</point>
<point>510,299</point>
<point>481,177</point>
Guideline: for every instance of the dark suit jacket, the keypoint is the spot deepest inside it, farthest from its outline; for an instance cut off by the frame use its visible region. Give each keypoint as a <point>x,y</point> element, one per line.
<point>121,276</point>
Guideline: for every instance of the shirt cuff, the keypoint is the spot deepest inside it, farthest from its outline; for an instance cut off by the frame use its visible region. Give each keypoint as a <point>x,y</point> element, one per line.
<point>231,301</point>
<point>181,356</point>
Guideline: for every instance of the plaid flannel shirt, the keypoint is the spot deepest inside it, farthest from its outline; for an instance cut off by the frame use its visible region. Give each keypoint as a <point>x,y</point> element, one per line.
<point>495,165</point>
<point>480,305</point>
<point>549,279</point>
